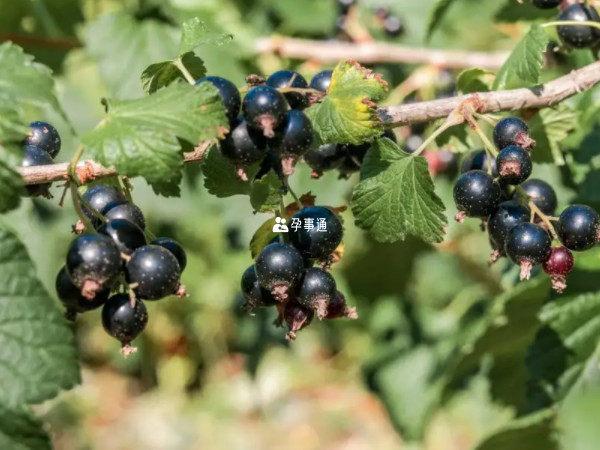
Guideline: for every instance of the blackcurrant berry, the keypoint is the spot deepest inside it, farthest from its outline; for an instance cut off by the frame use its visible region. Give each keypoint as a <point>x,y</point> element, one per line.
<point>512,131</point>
<point>271,161</point>
<point>296,317</point>
<point>243,145</point>
<point>390,135</point>
<point>296,134</point>
<point>393,26</point>
<point>126,235</point>
<point>321,81</point>
<point>255,295</point>
<point>579,36</point>
<point>123,321</point>
<point>338,308</point>
<point>127,211</point>
<point>279,267</point>
<point>71,298</point>
<point>44,136</point>
<point>93,261</point>
<point>326,157</point>
<point>478,160</point>
<point>229,93</point>
<point>528,244</point>
<point>288,78</point>
<point>558,265</point>
<point>316,289</point>
<point>546,4</point>
<point>174,247</point>
<point>541,194</point>
<point>154,271</point>
<point>355,154</point>
<point>476,194</point>
<point>514,165</point>
<point>508,215</point>
<point>319,232</point>
<point>36,156</point>
<point>264,108</point>
<point>579,227</point>
<point>101,198</point>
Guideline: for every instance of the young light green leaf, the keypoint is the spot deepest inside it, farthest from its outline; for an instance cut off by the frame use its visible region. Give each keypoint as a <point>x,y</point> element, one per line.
<point>262,237</point>
<point>141,137</point>
<point>549,127</point>
<point>38,357</point>
<point>526,60</point>
<point>221,178</point>
<point>348,113</point>
<point>196,33</point>
<point>440,8</point>
<point>164,73</point>
<point>19,430</point>
<point>475,79</point>
<point>396,197</point>
<point>266,193</point>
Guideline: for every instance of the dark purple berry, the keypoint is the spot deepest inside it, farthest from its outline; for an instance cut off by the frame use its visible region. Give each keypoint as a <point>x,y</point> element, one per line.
<point>155,272</point>
<point>296,317</point>
<point>123,321</point>
<point>508,215</point>
<point>296,135</point>
<point>36,156</point>
<point>355,154</point>
<point>546,4</point>
<point>127,211</point>
<point>541,194</point>
<point>478,160</point>
<point>255,295</point>
<point>579,227</point>
<point>476,194</point>
<point>528,244</point>
<point>579,36</point>
<point>71,298</point>
<point>175,248</point>
<point>316,290</point>
<point>229,93</point>
<point>558,265</point>
<point>326,157</point>
<point>316,232</point>
<point>514,165</point>
<point>264,108</point>
<point>126,235</point>
<point>243,145</point>
<point>288,78</point>
<point>338,308</point>
<point>102,198</point>
<point>512,131</point>
<point>279,267</point>
<point>44,136</point>
<point>321,81</point>
<point>93,261</point>
<point>393,26</point>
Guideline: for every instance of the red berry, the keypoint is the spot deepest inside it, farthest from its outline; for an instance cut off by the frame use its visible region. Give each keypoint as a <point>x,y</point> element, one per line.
<point>558,265</point>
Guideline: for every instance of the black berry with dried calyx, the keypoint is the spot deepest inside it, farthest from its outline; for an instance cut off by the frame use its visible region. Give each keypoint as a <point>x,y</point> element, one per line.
<point>70,296</point>
<point>514,165</point>
<point>338,308</point>
<point>316,290</point>
<point>124,320</point>
<point>512,131</point>
<point>264,108</point>
<point>528,244</point>
<point>476,194</point>
<point>296,317</point>
<point>279,268</point>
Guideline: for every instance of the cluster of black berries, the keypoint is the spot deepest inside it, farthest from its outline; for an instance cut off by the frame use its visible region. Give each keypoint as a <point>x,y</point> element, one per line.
<point>284,273</point>
<point>118,259</point>
<point>272,128</point>
<point>519,212</point>
<point>41,147</point>
<point>575,35</point>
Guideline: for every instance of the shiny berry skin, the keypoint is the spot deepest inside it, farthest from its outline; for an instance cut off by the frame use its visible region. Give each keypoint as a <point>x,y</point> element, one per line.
<point>316,290</point>
<point>321,81</point>
<point>121,320</point>
<point>508,215</point>
<point>393,26</point>
<point>93,260</point>
<point>528,242</point>
<point>514,165</point>
<point>476,194</point>
<point>155,270</point>
<point>560,262</point>
<point>229,93</point>
<point>579,36</point>
<point>297,317</point>
<point>102,198</point>
<point>296,134</point>
<point>355,154</point>
<point>243,145</point>
<point>326,157</point>
<point>255,295</point>
<point>264,109</point>
<point>478,160</point>
<point>282,79</point>
<point>278,267</point>
<point>71,298</point>
<point>578,227</point>
<point>175,248</point>
<point>314,244</point>
<point>127,211</point>
<point>510,131</point>
<point>36,156</point>
<point>546,4</point>
<point>44,136</point>
<point>541,194</point>
<point>126,235</point>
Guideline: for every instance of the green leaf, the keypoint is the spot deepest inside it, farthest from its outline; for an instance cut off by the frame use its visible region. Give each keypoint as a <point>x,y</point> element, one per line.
<point>141,137</point>
<point>526,60</point>
<point>524,12</point>
<point>440,8</point>
<point>532,432</point>
<point>549,127</point>
<point>475,79</point>
<point>306,17</point>
<point>164,73</point>
<point>19,430</point>
<point>396,197</point>
<point>266,193</point>
<point>195,33</point>
<point>578,418</point>
<point>221,177</point>
<point>11,187</point>
<point>347,114</point>
<point>37,350</point>
<point>262,237</point>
